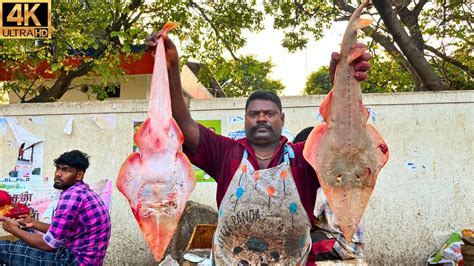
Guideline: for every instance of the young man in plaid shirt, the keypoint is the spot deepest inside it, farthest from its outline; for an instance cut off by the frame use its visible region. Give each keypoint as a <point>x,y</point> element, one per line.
<point>79,232</point>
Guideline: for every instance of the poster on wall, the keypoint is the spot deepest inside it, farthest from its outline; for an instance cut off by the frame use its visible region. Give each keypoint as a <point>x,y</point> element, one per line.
<point>214,125</point>
<point>23,179</point>
<point>136,126</point>
<point>47,204</point>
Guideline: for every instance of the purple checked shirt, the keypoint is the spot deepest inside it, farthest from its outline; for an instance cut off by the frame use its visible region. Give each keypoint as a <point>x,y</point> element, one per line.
<point>81,223</point>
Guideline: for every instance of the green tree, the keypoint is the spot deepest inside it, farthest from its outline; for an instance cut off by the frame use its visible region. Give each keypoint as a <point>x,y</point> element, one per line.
<point>241,77</point>
<point>90,36</point>
<point>430,40</point>
<point>385,76</point>
<point>318,82</point>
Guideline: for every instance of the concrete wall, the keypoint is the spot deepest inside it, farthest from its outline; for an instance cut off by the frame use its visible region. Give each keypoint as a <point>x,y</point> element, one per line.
<point>426,186</point>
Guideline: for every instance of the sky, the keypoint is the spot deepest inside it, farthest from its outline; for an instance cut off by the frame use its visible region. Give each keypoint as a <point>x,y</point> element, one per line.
<point>293,68</point>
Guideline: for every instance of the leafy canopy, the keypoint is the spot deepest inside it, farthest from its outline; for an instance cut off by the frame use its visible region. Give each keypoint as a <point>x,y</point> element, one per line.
<point>424,46</point>
<point>430,41</point>
<point>385,76</point>
<point>239,78</point>
<point>90,36</point>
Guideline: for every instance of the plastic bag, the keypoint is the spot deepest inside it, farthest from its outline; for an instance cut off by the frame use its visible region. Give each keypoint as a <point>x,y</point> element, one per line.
<point>451,250</point>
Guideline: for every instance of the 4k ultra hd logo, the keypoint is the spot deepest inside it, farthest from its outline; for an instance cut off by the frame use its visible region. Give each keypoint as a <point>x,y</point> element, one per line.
<point>25,19</point>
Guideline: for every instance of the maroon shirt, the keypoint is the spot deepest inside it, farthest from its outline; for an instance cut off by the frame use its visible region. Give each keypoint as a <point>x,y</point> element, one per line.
<point>220,157</point>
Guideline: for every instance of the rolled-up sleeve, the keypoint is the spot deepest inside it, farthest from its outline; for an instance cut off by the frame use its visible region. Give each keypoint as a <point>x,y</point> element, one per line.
<point>51,241</point>
<point>65,216</point>
<point>211,152</point>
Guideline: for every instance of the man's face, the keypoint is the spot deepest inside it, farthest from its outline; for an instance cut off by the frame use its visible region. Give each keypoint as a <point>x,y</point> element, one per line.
<point>66,176</point>
<point>263,122</point>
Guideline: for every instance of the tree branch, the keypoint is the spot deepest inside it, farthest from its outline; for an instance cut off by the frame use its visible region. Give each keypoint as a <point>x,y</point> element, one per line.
<point>62,83</point>
<point>216,31</point>
<point>31,85</point>
<point>342,4</point>
<point>450,60</point>
<point>391,49</point>
<point>417,9</point>
<point>423,69</point>
<point>299,6</point>
<point>14,91</point>
<point>411,22</point>
<point>343,18</point>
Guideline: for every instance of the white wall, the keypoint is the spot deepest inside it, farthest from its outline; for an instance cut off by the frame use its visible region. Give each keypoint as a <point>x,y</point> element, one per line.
<point>409,214</point>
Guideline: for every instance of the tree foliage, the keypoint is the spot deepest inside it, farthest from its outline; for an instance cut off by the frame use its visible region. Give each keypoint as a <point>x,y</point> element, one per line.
<point>384,76</point>
<point>387,76</point>
<point>239,78</point>
<point>318,82</point>
<point>432,41</point>
<point>89,37</point>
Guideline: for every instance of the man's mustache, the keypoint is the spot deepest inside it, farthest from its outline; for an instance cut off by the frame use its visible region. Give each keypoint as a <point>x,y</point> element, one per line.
<point>255,128</point>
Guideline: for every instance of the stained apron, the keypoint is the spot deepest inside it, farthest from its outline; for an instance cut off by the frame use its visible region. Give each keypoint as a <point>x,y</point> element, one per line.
<point>261,218</point>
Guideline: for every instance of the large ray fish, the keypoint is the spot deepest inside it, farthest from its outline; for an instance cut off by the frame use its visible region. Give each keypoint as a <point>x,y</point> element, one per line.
<point>158,180</point>
<point>346,152</point>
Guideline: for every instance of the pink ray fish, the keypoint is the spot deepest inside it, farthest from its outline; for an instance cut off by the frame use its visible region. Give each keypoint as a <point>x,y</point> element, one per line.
<point>158,180</point>
<point>346,152</point>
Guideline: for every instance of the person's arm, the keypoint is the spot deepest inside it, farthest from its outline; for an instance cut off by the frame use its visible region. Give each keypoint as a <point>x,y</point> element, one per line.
<point>66,216</point>
<point>31,223</point>
<point>180,110</point>
<point>34,240</point>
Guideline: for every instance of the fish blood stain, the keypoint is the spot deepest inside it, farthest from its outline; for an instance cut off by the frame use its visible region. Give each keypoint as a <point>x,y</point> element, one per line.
<point>383,148</point>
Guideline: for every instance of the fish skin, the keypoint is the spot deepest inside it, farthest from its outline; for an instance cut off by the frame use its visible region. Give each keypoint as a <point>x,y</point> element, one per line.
<point>346,152</point>
<point>158,180</point>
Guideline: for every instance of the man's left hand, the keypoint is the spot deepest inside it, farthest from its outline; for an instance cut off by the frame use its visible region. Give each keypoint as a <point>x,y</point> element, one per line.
<point>9,224</point>
<point>361,65</point>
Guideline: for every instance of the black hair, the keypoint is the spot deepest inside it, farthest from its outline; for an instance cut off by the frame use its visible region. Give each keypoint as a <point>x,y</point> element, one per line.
<point>74,158</point>
<point>303,135</point>
<point>264,95</point>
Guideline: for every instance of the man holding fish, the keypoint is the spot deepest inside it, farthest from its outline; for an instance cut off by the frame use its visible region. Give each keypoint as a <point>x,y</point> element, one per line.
<point>266,190</point>
<point>266,187</point>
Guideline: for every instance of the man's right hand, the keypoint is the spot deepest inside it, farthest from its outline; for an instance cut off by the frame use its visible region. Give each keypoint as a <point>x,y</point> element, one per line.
<point>27,221</point>
<point>361,65</point>
<point>172,58</point>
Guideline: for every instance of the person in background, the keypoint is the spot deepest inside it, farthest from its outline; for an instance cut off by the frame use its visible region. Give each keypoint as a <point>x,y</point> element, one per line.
<point>302,135</point>
<point>79,232</point>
